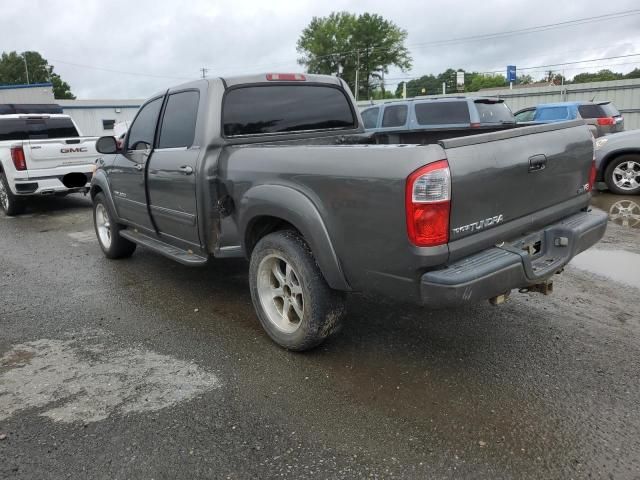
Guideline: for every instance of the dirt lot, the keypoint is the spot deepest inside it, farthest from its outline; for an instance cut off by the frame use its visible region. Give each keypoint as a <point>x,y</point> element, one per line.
<point>144,368</point>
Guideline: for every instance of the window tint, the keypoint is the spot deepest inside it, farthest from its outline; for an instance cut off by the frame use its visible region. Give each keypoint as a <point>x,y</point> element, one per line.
<point>370,117</point>
<point>591,111</point>
<point>442,113</point>
<point>285,108</point>
<point>394,116</point>
<point>610,110</point>
<point>144,126</point>
<point>493,112</point>
<point>552,113</point>
<point>37,128</point>
<point>13,129</point>
<point>525,115</point>
<point>179,120</point>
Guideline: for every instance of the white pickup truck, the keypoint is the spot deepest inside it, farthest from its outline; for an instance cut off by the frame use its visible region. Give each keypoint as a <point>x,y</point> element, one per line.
<point>42,154</point>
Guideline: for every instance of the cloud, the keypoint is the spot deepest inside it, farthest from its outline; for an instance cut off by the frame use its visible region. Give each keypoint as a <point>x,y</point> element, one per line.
<point>173,40</point>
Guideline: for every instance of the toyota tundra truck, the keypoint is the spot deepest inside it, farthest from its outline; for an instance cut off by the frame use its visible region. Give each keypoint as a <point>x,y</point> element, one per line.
<point>277,168</point>
<point>42,154</point>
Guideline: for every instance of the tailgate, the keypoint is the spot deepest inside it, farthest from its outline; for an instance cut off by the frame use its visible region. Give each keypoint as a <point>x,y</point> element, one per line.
<point>60,152</point>
<point>500,177</point>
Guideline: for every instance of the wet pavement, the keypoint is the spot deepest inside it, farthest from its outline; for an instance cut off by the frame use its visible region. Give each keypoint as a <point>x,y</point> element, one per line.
<point>144,368</point>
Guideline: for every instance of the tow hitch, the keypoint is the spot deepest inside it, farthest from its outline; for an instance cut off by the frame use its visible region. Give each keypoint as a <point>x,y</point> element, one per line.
<point>545,288</point>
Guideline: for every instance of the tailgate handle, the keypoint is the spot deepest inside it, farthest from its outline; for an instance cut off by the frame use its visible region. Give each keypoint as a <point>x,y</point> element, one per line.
<point>537,162</point>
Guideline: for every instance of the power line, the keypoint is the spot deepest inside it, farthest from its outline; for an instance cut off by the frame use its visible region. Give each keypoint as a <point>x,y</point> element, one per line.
<point>473,38</point>
<point>409,78</point>
<point>93,67</point>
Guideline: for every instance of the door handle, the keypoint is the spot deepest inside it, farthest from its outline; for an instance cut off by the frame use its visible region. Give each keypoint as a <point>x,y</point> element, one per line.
<point>537,162</point>
<point>186,169</point>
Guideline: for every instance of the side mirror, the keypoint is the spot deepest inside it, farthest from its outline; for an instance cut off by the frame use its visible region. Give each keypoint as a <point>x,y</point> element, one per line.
<point>107,145</point>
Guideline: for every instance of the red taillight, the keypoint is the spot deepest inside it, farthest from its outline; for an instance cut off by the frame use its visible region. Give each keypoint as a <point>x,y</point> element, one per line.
<point>428,204</point>
<point>606,121</point>
<point>592,175</point>
<point>17,155</point>
<point>289,77</point>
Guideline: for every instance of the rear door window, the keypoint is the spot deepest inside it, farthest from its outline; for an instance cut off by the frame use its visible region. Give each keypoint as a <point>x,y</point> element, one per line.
<point>144,126</point>
<point>36,128</point>
<point>525,115</point>
<point>179,120</point>
<point>442,113</point>
<point>591,111</point>
<point>394,116</point>
<point>269,109</point>
<point>493,112</point>
<point>552,113</point>
<point>370,117</point>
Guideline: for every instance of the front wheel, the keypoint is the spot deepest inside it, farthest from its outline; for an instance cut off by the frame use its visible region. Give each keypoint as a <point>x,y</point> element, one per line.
<point>623,175</point>
<point>108,231</point>
<point>11,204</point>
<point>294,303</point>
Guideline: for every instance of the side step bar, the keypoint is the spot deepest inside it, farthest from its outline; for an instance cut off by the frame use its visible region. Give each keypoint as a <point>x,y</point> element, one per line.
<point>182,256</point>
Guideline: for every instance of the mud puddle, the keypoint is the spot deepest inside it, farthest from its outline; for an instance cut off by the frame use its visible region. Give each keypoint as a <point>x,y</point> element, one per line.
<point>618,265</point>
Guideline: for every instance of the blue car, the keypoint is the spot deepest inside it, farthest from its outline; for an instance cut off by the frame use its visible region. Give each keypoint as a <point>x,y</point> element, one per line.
<point>443,113</point>
<point>603,117</point>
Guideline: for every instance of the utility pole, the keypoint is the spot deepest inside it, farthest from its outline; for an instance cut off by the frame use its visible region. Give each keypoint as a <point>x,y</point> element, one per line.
<point>204,72</point>
<point>357,68</point>
<point>26,68</point>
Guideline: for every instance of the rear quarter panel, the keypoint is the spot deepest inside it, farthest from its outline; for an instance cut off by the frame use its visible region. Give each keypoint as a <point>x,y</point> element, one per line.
<point>358,192</point>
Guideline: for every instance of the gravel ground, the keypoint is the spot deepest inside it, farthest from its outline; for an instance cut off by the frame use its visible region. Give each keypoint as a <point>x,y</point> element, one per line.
<point>144,368</point>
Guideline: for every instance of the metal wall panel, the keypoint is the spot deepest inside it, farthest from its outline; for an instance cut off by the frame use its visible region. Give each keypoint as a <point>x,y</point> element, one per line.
<point>625,94</point>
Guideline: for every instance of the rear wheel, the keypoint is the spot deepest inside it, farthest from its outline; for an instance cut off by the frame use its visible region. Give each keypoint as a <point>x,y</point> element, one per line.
<point>294,303</point>
<point>108,232</point>
<point>11,204</point>
<point>623,175</point>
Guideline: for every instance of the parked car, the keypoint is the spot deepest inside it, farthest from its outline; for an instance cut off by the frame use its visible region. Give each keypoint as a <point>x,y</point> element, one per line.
<point>618,162</point>
<point>277,168</point>
<point>407,121</point>
<point>604,117</point>
<point>42,154</point>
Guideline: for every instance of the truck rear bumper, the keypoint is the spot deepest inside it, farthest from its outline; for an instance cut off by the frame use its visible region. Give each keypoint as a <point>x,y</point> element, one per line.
<point>527,261</point>
<point>56,180</point>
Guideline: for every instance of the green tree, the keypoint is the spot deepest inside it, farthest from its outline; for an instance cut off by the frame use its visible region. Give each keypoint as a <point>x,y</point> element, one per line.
<point>635,73</point>
<point>14,68</point>
<point>344,43</point>
<point>601,76</point>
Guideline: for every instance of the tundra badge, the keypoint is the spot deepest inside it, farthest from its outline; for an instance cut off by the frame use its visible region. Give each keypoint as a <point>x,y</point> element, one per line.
<point>480,224</point>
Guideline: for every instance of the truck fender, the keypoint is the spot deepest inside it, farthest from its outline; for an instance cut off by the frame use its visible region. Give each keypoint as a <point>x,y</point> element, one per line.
<point>297,209</point>
<point>99,183</point>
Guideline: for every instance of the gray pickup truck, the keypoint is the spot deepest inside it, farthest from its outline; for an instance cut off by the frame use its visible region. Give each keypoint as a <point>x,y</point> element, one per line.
<point>277,168</point>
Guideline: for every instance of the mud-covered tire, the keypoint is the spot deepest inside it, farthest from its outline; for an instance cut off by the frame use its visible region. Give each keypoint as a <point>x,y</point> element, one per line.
<point>11,204</point>
<point>314,310</point>
<point>614,175</point>
<point>108,231</point>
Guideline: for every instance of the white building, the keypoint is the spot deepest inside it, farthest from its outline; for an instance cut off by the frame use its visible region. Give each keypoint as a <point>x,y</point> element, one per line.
<point>93,117</point>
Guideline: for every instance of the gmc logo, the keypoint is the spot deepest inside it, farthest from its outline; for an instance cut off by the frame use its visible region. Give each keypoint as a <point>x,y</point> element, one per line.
<point>74,150</point>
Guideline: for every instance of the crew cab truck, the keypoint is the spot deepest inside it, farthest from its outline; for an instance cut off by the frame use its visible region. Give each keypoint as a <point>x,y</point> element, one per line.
<point>42,154</point>
<point>277,168</point>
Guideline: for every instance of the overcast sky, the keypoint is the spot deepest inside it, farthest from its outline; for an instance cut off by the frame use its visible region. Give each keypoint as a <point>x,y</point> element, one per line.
<point>166,42</point>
